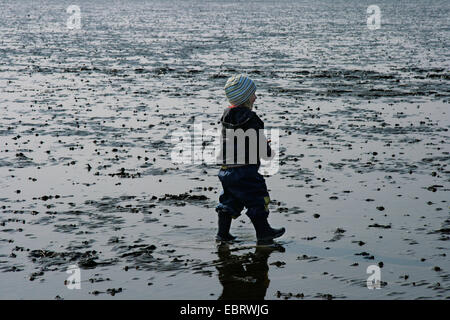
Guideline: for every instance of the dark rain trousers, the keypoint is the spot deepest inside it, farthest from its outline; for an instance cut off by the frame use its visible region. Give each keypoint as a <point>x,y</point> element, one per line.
<point>243,187</point>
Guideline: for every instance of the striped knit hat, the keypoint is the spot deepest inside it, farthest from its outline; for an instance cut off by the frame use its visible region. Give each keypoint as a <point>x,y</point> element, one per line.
<point>239,89</point>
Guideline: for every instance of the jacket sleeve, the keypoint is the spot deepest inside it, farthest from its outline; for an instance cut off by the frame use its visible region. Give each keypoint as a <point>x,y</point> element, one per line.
<point>258,124</point>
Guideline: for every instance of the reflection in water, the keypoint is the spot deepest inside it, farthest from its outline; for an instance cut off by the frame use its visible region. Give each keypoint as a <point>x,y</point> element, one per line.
<point>245,276</point>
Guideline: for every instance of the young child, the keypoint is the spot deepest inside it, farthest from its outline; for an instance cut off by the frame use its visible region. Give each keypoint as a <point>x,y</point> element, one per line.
<point>243,186</point>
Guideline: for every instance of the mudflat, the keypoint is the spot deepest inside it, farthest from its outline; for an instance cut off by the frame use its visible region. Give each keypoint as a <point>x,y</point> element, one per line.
<point>87,179</point>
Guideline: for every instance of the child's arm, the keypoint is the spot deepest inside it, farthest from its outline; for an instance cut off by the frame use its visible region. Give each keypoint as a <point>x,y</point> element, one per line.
<point>269,154</point>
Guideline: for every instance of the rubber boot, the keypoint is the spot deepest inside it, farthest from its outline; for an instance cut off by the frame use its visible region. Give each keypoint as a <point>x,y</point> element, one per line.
<point>224,227</point>
<point>264,232</point>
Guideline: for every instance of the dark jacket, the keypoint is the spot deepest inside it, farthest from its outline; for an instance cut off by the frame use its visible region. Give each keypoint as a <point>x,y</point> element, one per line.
<point>233,119</point>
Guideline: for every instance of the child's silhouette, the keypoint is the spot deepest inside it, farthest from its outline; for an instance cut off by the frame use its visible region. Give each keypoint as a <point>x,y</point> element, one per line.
<point>243,186</point>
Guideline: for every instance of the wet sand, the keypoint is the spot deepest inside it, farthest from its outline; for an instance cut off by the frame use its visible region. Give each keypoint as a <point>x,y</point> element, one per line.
<point>86,175</point>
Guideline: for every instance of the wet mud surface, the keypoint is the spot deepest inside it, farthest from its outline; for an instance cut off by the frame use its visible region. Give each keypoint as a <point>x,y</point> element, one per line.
<point>86,176</point>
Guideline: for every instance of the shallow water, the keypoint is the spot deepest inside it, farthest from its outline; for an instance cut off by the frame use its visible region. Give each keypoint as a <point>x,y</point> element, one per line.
<point>86,175</point>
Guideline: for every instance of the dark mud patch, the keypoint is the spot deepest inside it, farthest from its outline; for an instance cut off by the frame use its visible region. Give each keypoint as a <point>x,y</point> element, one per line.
<point>85,260</point>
